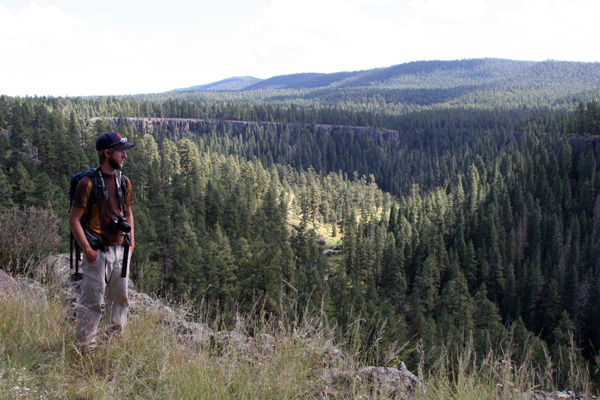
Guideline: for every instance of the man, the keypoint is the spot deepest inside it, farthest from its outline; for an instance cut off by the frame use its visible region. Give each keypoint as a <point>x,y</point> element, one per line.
<point>102,286</point>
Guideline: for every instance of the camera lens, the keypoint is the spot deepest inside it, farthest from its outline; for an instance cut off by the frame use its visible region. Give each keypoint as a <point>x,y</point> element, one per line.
<point>125,227</point>
<point>120,223</point>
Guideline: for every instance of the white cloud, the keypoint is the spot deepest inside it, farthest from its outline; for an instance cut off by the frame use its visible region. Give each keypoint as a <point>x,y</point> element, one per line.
<point>529,29</point>
<point>327,35</point>
<point>109,39</point>
<point>372,2</point>
<point>51,51</point>
<point>540,19</point>
<point>543,29</point>
<point>36,46</point>
<point>15,46</point>
<point>48,23</point>
<point>448,15</point>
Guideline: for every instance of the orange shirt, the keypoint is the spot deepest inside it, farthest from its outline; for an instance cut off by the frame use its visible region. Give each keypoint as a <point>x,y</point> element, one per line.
<point>100,213</point>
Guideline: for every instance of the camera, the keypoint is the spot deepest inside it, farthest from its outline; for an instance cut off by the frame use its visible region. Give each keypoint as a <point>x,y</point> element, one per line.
<point>119,222</point>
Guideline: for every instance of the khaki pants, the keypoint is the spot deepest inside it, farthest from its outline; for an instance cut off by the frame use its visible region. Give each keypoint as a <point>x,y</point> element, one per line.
<point>102,288</point>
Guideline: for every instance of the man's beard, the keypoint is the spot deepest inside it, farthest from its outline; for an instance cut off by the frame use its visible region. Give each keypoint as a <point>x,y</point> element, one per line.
<point>114,163</point>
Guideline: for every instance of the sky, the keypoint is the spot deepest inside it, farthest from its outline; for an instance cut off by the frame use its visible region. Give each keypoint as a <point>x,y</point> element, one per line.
<point>119,47</point>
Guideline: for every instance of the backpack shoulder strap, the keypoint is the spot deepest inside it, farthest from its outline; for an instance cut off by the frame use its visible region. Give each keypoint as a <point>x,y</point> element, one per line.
<point>93,175</point>
<point>124,185</point>
<point>123,190</point>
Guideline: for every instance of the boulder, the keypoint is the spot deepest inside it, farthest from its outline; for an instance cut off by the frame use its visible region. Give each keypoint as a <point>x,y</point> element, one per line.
<point>393,382</point>
<point>6,282</point>
<point>31,287</point>
<point>558,395</point>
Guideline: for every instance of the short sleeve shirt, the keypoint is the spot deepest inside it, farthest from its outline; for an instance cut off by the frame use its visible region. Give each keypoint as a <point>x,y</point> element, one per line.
<point>101,212</point>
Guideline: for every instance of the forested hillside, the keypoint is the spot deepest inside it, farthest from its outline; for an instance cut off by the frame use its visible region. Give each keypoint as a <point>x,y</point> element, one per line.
<point>449,218</point>
<point>476,83</point>
<point>235,83</point>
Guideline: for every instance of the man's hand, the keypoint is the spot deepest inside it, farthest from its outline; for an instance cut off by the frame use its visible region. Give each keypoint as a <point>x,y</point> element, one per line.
<point>91,255</point>
<point>74,217</point>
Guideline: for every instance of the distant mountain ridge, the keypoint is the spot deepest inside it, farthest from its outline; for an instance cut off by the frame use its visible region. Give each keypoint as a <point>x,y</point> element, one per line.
<point>488,73</point>
<point>234,83</point>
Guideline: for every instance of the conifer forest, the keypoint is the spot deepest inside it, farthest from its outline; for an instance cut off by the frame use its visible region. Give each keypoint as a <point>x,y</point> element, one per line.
<point>432,202</point>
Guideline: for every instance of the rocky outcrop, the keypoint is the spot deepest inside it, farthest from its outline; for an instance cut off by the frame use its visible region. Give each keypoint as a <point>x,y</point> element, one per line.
<point>541,395</point>
<point>6,282</point>
<point>20,284</point>
<point>189,332</point>
<point>396,382</point>
<point>31,287</point>
<point>183,127</point>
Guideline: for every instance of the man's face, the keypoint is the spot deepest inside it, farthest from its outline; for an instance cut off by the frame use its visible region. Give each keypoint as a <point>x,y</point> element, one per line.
<point>117,158</point>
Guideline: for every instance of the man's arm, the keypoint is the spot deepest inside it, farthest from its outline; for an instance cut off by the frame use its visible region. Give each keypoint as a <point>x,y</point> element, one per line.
<point>129,217</point>
<point>75,225</point>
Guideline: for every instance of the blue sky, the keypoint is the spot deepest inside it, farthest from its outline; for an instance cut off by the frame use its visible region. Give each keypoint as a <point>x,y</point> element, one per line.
<point>79,47</point>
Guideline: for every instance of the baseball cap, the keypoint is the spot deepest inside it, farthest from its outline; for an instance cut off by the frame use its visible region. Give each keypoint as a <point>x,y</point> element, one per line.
<point>112,140</point>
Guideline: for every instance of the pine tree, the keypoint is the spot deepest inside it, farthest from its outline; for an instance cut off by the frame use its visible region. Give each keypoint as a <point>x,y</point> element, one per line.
<point>170,164</point>
<point>564,348</point>
<point>5,191</point>
<point>426,287</point>
<point>488,327</point>
<point>189,159</point>
<point>212,206</point>
<point>456,305</point>
<point>511,303</point>
<point>22,185</point>
<point>552,307</point>
<point>221,270</point>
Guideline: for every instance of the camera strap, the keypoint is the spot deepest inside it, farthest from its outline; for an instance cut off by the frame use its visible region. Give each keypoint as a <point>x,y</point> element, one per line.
<point>120,190</point>
<point>126,240</point>
<point>117,177</point>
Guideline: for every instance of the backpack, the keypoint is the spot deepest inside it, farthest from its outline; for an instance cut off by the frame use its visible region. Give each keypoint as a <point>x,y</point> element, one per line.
<point>96,185</point>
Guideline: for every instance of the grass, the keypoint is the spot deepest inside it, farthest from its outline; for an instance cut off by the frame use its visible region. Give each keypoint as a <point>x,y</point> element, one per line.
<point>38,358</point>
<point>285,359</point>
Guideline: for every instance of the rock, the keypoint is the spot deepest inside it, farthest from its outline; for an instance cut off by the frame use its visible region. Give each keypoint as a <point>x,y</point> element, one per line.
<point>390,380</point>
<point>396,382</point>
<point>31,287</point>
<point>233,339</point>
<point>198,334</point>
<point>267,343</point>
<point>27,286</point>
<point>558,395</point>
<point>331,354</point>
<point>190,332</point>
<point>6,282</point>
